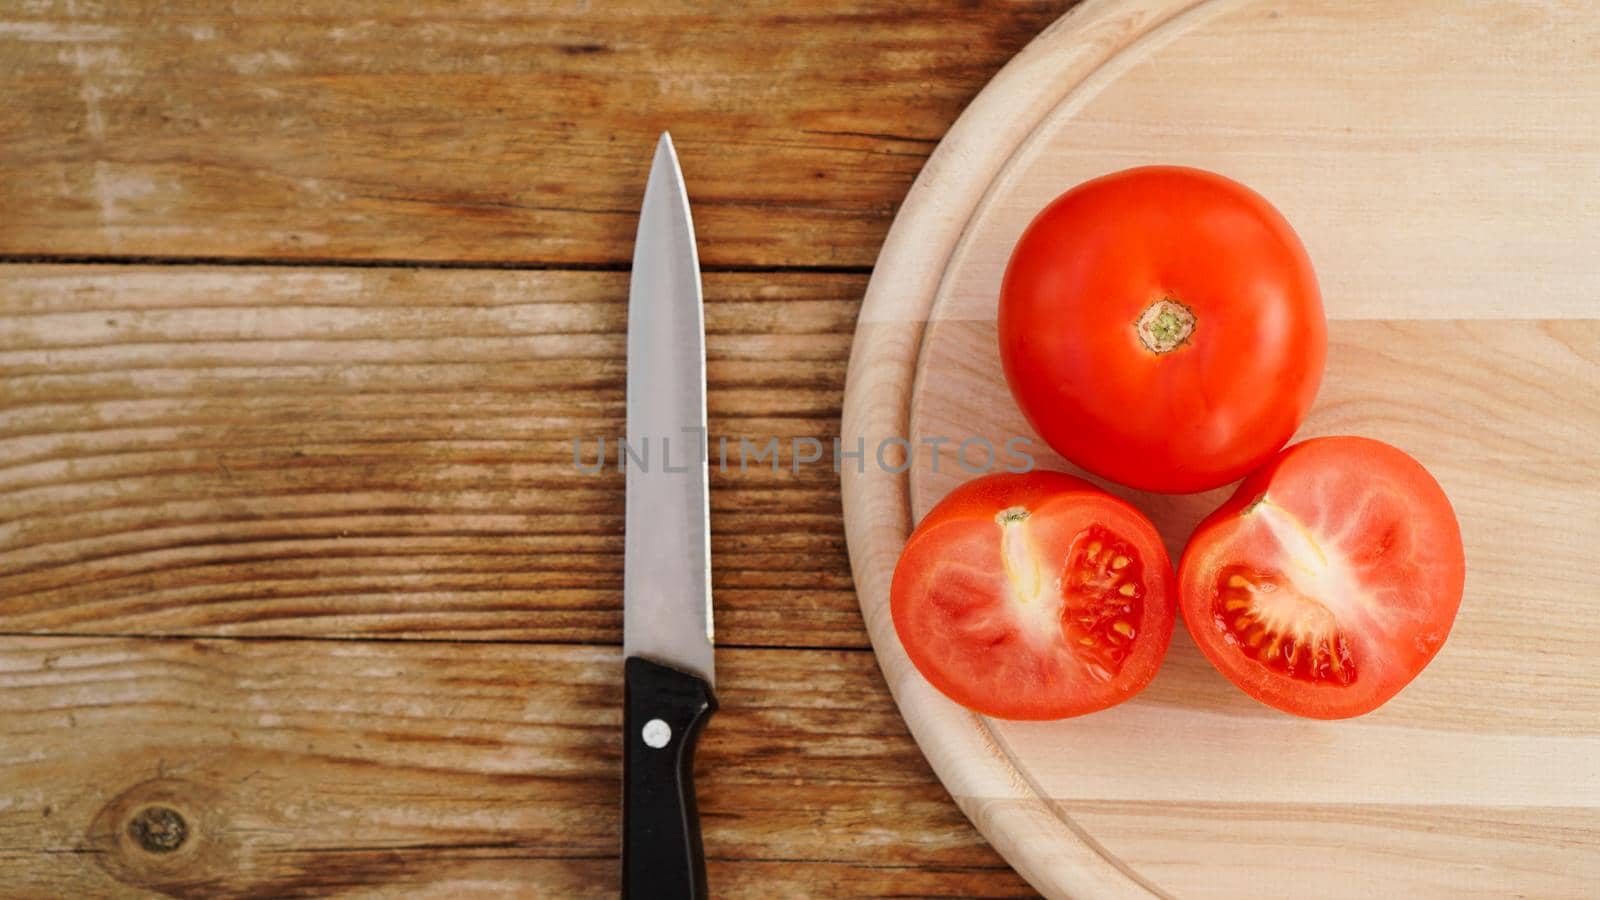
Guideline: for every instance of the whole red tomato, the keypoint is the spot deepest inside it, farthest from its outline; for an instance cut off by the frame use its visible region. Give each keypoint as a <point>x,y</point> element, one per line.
<point>1034,596</point>
<point>1162,327</point>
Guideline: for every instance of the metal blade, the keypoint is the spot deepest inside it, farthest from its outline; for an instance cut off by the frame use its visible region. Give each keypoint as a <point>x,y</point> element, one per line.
<point>666,587</point>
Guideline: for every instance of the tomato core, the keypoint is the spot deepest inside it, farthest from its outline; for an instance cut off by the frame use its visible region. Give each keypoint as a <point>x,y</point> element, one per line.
<point>1021,560</point>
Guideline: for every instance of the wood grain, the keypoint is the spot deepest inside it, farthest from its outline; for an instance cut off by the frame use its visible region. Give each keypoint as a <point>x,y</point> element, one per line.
<point>446,769</point>
<point>1442,190</point>
<point>482,131</point>
<point>193,450</point>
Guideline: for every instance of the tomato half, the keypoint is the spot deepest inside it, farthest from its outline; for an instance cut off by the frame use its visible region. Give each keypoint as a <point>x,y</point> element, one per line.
<point>1034,596</point>
<point>1329,579</point>
<point>1162,327</point>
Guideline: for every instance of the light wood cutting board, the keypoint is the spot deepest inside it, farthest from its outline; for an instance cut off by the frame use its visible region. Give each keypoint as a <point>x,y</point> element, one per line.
<point>1441,161</point>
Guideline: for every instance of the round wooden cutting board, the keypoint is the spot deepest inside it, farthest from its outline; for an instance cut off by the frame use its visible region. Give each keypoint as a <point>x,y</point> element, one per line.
<point>1441,160</point>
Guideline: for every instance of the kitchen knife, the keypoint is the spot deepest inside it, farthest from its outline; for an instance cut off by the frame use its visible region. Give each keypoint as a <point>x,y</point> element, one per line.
<point>666,586</point>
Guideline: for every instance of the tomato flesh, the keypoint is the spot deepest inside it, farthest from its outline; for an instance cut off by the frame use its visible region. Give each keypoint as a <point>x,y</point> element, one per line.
<point>1034,596</point>
<point>1329,580</point>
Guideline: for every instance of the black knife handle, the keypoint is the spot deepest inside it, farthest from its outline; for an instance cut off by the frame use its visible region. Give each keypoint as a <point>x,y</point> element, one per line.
<point>663,712</point>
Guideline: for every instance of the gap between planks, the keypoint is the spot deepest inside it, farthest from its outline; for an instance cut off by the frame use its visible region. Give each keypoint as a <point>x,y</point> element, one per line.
<point>379,639</point>
<point>49,259</point>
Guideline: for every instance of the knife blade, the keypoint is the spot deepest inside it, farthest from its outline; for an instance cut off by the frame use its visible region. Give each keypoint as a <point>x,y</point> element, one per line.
<point>669,667</point>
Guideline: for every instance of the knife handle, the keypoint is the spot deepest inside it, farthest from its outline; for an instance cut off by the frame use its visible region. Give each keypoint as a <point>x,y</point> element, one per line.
<point>663,712</point>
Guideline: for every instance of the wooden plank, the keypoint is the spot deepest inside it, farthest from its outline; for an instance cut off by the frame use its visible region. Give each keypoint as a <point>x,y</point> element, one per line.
<point>444,769</point>
<point>477,131</point>
<point>1430,851</point>
<point>189,450</point>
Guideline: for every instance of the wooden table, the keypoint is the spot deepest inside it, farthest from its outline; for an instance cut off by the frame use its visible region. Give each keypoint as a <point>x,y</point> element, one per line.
<point>300,592</point>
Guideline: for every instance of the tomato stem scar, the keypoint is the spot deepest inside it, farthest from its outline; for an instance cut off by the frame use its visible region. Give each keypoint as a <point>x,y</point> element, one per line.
<point>1165,325</point>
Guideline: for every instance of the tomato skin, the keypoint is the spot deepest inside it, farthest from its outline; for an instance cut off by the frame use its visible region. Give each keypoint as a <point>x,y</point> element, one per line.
<point>1227,397</point>
<point>954,598</point>
<point>1393,581</point>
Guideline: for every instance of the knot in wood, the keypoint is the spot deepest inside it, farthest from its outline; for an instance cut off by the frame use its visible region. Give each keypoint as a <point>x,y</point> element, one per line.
<point>158,829</point>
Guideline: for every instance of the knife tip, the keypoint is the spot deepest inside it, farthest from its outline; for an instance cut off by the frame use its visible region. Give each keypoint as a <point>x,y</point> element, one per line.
<point>665,164</point>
